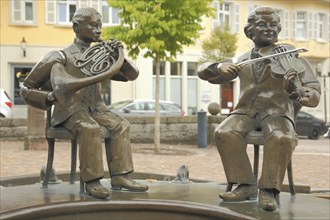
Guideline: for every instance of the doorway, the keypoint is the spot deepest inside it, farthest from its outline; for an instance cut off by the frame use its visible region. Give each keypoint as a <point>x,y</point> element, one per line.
<point>226,94</point>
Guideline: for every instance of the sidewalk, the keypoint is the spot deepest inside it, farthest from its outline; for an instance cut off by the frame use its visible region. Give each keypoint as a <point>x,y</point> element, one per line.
<point>311,169</point>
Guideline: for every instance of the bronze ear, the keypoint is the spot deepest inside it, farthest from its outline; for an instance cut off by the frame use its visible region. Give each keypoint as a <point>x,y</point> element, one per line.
<point>75,27</point>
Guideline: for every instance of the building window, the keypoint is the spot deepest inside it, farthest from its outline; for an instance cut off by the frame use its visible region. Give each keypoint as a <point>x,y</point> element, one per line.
<point>19,72</point>
<point>321,26</point>
<point>226,14</point>
<point>176,90</point>
<point>62,11</point>
<point>176,82</point>
<point>192,68</point>
<point>161,88</point>
<point>192,92</point>
<point>161,80</point>
<point>66,10</point>
<point>176,69</point>
<point>23,12</point>
<point>301,26</point>
<point>109,15</point>
<point>162,68</point>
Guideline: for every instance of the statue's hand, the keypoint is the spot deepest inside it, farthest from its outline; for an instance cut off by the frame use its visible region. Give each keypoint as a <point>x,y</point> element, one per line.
<point>116,43</point>
<point>303,95</point>
<point>289,81</point>
<point>228,68</point>
<point>307,95</point>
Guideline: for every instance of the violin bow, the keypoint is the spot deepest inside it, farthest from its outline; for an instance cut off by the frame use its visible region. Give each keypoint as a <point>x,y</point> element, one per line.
<point>297,50</point>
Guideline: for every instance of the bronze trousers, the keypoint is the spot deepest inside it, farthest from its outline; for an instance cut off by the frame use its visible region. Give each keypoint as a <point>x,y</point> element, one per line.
<point>86,126</point>
<point>280,141</point>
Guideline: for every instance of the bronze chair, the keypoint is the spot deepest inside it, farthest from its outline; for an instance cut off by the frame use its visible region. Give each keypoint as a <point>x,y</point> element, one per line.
<point>256,138</point>
<point>59,132</point>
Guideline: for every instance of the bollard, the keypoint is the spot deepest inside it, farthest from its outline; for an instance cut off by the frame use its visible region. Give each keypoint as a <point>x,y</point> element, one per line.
<point>202,129</point>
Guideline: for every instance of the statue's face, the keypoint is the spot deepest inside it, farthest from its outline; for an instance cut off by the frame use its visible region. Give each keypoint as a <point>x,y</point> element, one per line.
<point>89,30</point>
<point>265,31</point>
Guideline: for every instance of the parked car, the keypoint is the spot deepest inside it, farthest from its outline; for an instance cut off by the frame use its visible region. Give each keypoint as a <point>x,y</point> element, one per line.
<point>141,107</point>
<point>5,105</point>
<point>309,125</point>
<point>327,134</point>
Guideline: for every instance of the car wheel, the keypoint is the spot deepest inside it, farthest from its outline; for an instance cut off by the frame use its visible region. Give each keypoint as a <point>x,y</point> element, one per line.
<point>315,134</point>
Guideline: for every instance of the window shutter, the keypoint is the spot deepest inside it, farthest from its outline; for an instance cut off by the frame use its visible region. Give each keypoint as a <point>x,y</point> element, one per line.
<point>237,19</point>
<point>16,11</point>
<point>315,29</point>
<point>293,25</point>
<point>50,11</point>
<point>311,25</point>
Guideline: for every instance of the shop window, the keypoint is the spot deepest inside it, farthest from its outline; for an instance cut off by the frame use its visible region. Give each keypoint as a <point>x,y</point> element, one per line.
<point>20,72</point>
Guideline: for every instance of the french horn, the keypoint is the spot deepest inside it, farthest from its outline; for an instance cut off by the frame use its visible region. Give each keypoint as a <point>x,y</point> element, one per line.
<point>97,63</point>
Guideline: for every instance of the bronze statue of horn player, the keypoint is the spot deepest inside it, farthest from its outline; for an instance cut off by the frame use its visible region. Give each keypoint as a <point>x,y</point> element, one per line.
<point>97,63</point>
<point>69,79</point>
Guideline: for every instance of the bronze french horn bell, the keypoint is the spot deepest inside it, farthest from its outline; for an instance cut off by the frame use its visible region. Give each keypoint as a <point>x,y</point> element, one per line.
<point>97,63</point>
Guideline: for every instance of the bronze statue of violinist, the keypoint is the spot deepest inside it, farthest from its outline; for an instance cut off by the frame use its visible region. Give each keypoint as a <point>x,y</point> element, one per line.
<point>273,88</point>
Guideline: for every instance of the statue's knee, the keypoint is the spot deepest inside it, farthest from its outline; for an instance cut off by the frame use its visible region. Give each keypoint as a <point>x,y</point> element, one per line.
<point>91,128</point>
<point>125,125</point>
<point>281,138</point>
<point>221,134</point>
<point>122,127</point>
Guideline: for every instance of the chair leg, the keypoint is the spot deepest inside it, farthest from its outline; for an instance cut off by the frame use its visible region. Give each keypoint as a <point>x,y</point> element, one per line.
<point>50,159</point>
<point>73,161</point>
<point>107,143</point>
<point>290,178</point>
<point>256,161</point>
<point>82,186</point>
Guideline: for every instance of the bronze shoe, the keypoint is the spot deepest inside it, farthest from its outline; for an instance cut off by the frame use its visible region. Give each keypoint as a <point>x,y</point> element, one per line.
<point>124,181</point>
<point>241,193</point>
<point>95,189</point>
<point>267,200</point>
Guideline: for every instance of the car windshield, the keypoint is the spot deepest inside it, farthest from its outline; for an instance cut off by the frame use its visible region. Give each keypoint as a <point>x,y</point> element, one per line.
<point>119,105</point>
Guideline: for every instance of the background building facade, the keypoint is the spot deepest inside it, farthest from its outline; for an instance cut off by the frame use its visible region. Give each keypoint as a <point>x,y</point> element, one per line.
<point>31,28</point>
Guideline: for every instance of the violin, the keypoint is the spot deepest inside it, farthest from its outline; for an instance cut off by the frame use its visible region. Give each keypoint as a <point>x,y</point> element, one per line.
<point>284,63</point>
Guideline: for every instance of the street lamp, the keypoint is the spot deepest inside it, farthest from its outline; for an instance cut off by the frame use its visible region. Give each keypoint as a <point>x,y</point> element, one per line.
<point>23,46</point>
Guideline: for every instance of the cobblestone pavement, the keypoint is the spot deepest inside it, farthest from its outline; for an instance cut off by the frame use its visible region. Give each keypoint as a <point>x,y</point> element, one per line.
<point>311,161</point>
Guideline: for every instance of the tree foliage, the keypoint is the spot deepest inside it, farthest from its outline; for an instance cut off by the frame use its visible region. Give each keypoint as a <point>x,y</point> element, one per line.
<point>220,45</point>
<point>161,27</point>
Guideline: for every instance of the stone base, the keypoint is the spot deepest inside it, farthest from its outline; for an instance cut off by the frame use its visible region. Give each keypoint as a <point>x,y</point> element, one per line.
<point>35,143</point>
<point>163,200</point>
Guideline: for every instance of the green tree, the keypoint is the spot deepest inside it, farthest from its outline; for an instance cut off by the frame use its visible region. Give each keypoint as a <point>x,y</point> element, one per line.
<point>220,45</point>
<point>160,28</point>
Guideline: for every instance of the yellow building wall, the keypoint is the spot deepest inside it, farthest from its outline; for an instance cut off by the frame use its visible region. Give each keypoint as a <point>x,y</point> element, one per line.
<point>40,34</point>
<point>316,49</point>
<point>42,37</point>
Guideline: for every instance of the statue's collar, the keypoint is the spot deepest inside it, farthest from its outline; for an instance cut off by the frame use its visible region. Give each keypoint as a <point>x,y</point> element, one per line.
<point>81,44</point>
